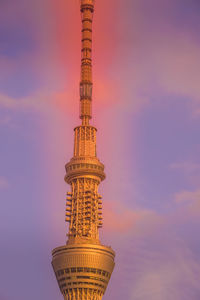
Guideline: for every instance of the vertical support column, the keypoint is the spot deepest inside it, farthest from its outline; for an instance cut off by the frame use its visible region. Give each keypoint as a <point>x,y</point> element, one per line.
<point>75,143</point>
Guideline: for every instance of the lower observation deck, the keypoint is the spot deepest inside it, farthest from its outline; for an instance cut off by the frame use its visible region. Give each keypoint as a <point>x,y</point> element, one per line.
<point>83,270</point>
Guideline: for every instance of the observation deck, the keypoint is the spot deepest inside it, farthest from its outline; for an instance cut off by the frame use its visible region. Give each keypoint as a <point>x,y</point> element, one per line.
<point>83,270</point>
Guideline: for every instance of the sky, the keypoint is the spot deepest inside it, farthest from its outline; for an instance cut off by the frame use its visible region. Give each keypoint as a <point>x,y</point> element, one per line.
<point>146,106</point>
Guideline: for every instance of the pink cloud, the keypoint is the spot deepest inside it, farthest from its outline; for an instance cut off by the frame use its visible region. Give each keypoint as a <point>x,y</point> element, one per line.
<point>4,184</point>
<point>121,221</point>
<point>32,102</point>
<point>118,218</point>
<point>161,274</point>
<point>42,100</point>
<point>189,204</point>
<point>186,166</point>
<point>188,196</point>
<point>179,67</point>
<point>172,66</point>
<point>190,170</point>
<point>7,66</point>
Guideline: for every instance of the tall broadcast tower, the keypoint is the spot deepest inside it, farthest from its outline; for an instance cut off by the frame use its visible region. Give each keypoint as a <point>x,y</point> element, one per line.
<point>83,266</point>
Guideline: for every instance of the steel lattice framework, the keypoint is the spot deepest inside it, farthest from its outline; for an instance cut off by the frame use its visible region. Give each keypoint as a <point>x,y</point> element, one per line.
<point>83,266</point>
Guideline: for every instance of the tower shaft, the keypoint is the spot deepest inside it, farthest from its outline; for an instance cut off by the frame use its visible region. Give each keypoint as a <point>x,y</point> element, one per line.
<point>83,266</point>
<point>87,9</point>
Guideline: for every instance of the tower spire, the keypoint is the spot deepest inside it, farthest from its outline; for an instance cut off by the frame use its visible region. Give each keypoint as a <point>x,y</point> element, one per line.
<point>83,266</point>
<point>87,9</point>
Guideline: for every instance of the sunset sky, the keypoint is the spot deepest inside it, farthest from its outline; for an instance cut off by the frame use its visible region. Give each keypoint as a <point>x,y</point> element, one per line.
<point>146,106</point>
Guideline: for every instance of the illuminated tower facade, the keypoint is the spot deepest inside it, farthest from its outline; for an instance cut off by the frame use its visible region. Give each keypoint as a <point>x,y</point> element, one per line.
<point>83,266</point>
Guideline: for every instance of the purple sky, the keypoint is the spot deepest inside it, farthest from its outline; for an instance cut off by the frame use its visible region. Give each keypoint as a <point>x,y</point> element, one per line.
<point>147,110</point>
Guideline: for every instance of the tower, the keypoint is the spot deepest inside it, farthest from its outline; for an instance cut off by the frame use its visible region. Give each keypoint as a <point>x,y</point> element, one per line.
<point>83,266</point>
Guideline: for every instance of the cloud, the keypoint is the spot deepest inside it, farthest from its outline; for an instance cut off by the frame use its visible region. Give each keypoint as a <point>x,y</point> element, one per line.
<point>186,166</point>
<point>168,274</point>
<point>171,67</point>
<point>119,218</point>
<point>8,66</point>
<point>157,263</point>
<point>188,196</point>
<point>187,200</point>
<point>156,56</point>
<point>3,183</point>
<point>179,67</point>
<point>188,205</point>
<point>26,103</point>
<point>122,221</point>
<point>6,120</point>
<point>39,101</point>
<point>189,170</point>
